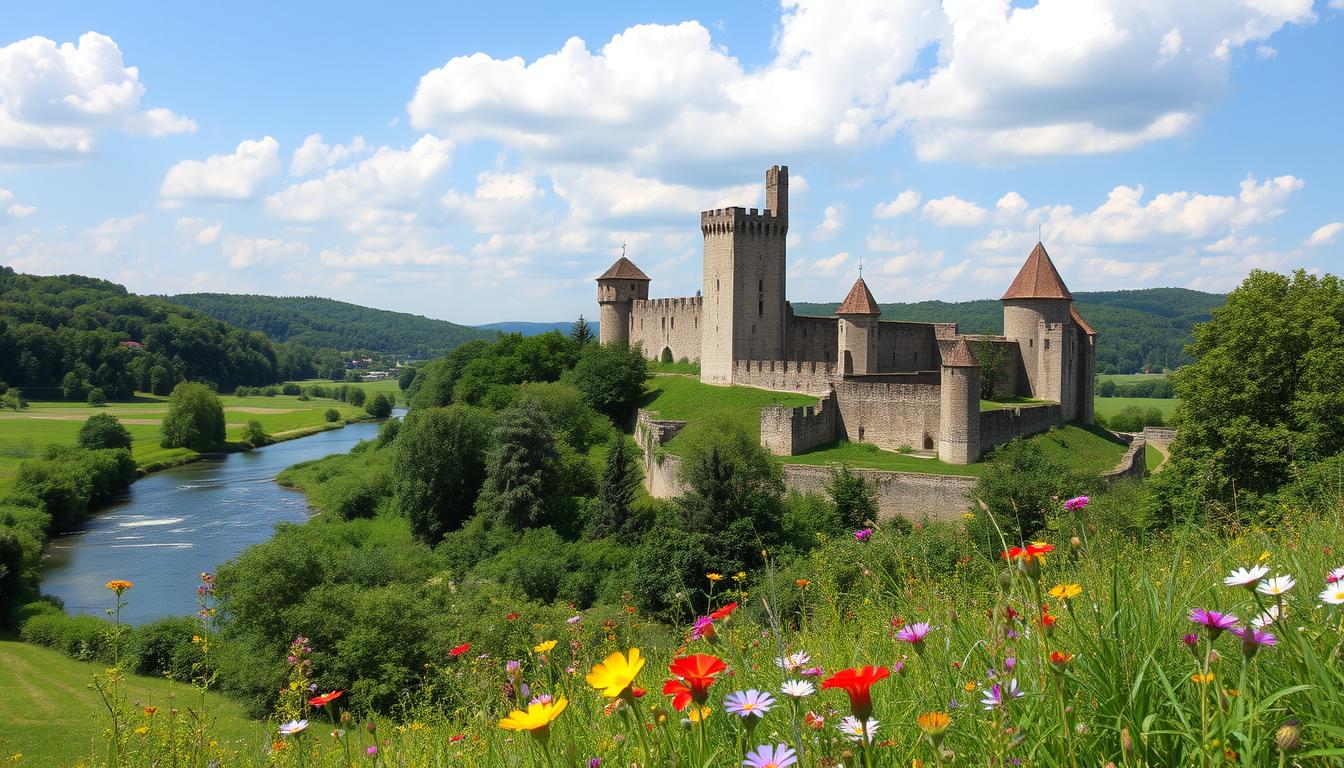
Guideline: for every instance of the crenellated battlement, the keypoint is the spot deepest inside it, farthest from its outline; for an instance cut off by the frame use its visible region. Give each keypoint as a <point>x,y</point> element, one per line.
<point>807,367</point>
<point>749,221</point>
<point>658,305</point>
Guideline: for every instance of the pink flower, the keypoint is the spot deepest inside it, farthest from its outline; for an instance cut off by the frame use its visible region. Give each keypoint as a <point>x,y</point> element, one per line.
<point>1214,622</point>
<point>1076,503</point>
<point>863,534</point>
<point>914,634</point>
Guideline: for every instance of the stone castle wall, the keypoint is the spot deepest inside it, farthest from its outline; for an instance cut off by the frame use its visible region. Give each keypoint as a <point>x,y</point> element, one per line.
<point>788,431</point>
<point>786,375</point>
<point>1134,463</point>
<point>907,346</point>
<point>658,324</point>
<point>889,411</point>
<point>813,339</point>
<point>999,426</point>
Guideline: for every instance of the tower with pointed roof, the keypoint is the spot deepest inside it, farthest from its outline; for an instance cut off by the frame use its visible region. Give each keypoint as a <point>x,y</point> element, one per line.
<point>1057,346</point>
<point>857,330</point>
<point>958,403</point>
<point>617,290</point>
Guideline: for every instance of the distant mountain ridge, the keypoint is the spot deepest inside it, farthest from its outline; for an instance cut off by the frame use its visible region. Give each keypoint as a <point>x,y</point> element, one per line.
<point>326,323</point>
<point>534,329</point>
<point>1135,328</point>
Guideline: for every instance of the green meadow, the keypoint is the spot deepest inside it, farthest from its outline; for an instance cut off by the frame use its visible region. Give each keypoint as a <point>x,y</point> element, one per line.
<point>1112,406</point>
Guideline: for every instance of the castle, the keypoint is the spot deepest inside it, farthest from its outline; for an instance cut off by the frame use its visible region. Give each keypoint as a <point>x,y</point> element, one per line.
<point>898,385</point>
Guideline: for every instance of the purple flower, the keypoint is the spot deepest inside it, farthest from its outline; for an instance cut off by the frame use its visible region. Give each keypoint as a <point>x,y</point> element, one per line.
<point>1009,664</point>
<point>1214,622</point>
<point>811,672</point>
<point>544,698</point>
<point>372,750</point>
<point>1252,639</point>
<point>1191,642</point>
<point>999,696</point>
<point>767,756</point>
<point>594,762</point>
<point>575,620</point>
<point>914,634</point>
<point>703,626</point>
<point>751,703</point>
<point>1076,503</point>
<point>863,534</point>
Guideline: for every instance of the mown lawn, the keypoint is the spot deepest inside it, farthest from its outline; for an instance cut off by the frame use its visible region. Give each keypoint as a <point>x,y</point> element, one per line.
<point>50,714</point>
<point>1129,378</point>
<point>865,456</point>
<point>387,386</point>
<point>25,434</point>
<point>1111,406</point>
<point>686,399</point>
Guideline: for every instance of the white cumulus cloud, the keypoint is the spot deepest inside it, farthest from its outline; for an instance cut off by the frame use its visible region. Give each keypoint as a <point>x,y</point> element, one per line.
<point>904,203</point>
<point>315,155</point>
<point>952,211</point>
<point>232,177</point>
<point>251,251</point>
<point>9,209</point>
<point>832,220</point>
<point>199,231</point>
<point>1324,235</point>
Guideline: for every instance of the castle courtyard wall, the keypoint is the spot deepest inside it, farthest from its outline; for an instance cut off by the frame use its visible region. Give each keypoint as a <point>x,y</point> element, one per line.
<point>907,346</point>
<point>813,339</point>
<point>789,431</point>
<point>891,413</point>
<point>999,426</point>
<point>786,375</point>
<point>658,324</point>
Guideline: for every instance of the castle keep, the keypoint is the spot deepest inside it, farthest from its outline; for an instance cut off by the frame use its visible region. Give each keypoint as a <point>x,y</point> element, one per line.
<point>896,385</point>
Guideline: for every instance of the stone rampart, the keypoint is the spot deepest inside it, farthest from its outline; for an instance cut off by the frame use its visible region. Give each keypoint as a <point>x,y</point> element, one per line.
<point>888,412</point>
<point>786,375</point>
<point>1133,464</point>
<point>788,431</point>
<point>999,426</point>
<point>671,324</point>
<point>1159,434</point>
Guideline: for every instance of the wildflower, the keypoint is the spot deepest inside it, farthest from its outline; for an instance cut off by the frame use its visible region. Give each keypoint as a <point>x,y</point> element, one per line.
<point>594,762</point>
<point>811,672</point>
<point>1335,576</point>
<point>999,696</point>
<point>536,720</point>
<point>1066,591</point>
<point>856,683</point>
<point>703,628</point>
<point>698,714</point>
<point>544,647</point>
<point>863,534</point>
<point>1060,659</point>
<point>616,673</point>
<point>714,576</point>
<point>813,720</point>
<point>797,689</point>
<point>793,661</point>
<point>1275,586</point>
<point>742,575</point>
<point>1252,639</point>
<point>750,703</point>
<point>511,616</point>
<point>1214,622</point>
<point>696,672</point>
<point>575,619</point>
<point>119,585</point>
<point>541,698</point>
<point>1272,614</point>
<point>456,738</point>
<point>1076,503</point>
<point>325,699</point>
<point>1246,577</point>
<point>459,650</point>
<point>778,756</point>
<point>293,727</point>
<point>1289,736</point>
<point>914,634</point>
<point>724,612</point>
<point>858,730</point>
<point>151,710</point>
<point>1333,595</point>
<point>934,725</point>
<point>1047,621</point>
<point>1030,558</point>
<point>1202,678</point>
<point>1191,643</point>
<point>802,583</point>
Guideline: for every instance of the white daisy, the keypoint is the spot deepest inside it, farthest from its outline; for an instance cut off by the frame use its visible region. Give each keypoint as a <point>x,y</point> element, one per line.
<point>1271,615</point>
<point>293,727</point>
<point>854,729</point>
<point>1275,586</point>
<point>1335,576</point>
<point>797,689</point>
<point>793,661</point>
<point>1246,577</point>
<point>1334,594</point>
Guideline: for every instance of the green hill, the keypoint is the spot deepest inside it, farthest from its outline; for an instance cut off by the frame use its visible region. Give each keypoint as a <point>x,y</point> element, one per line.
<point>327,324</point>
<point>1134,328</point>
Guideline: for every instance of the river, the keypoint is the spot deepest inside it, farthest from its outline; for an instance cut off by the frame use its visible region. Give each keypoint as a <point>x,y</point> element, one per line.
<point>173,525</point>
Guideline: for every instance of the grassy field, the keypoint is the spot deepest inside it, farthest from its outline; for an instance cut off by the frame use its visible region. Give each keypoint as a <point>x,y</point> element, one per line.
<point>867,456</point>
<point>690,369</point>
<point>685,399</point>
<point>1110,406</point>
<point>26,433</point>
<point>1130,378</point>
<point>389,386</point>
<point>49,714</point>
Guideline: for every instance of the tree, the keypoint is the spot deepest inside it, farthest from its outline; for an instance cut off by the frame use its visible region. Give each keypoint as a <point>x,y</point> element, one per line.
<point>1266,391</point>
<point>332,415</point>
<point>195,419</point>
<point>616,492</point>
<point>97,398</point>
<point>406,378</point>
<point>256,435</point>
<point>379,407</point>
<point>1106,388</point>
<point>580,332</point>
<point>521,469</point>
<point>854,499</point>
<point>440,467</point>
<point>611,377</point>
<point>358,396</point>
<point>102,430</point>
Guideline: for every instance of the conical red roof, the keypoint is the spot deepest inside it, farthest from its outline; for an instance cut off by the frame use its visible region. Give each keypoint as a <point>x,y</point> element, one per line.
<point>1038,279</point>
<point>957,354</point>
<point>623,269</point>
<point>860,301</point>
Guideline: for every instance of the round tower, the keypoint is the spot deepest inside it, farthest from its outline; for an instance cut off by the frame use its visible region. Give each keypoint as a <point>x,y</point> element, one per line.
<point>857,329</point>
<point>617,290</point>
<point>1035,307</point>
<point>959,404</point>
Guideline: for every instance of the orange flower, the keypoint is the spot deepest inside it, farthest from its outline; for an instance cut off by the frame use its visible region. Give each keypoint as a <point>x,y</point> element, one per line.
<point>680,693</point>
<point>1060,659</point>
<point>151,710</point>
<point>325,699</point>
<point>856,683</point>
<point>697,672</point>
<point>723,612</point>
<point>802,583</point>
<point>119,585</point>
<point>1033,551</point>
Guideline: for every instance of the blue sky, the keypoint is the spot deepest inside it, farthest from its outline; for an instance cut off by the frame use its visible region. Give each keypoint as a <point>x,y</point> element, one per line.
<point>484,163</point>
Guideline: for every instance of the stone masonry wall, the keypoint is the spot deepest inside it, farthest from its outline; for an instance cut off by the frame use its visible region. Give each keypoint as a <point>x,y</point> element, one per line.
<point>785,375</point>
<point>1000,426</point>
<point>907,347</point>
<point>813,339</point>
<point>658,324</point>
<point>890,415</point>
<point>1134,463</point>
<point>788,431</point>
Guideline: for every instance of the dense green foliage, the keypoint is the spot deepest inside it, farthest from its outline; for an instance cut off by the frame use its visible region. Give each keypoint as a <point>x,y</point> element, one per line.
<point>1140,329</point>
<point>440,467</point>
<point>65,336</point>
<point>481,373</point>
<point>323,323</point>
<point>1264,397</point>
<point>195,419</point>
<point>1153,387</point>
<point>1021,487</point>
<point>611,377</point>
<point>102,430</point>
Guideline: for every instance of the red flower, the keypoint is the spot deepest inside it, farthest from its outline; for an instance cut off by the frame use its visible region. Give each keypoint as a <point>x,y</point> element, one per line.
<point>325,699</point>
<point>723,612</point>
<point>1060,659</point>
<point>456,738</point>
<point>511,616</point>
<point>1033,551</point>
<point>856,683</point>
<point>680,693</point>
<point>459,650</point>
<point>697,671</point>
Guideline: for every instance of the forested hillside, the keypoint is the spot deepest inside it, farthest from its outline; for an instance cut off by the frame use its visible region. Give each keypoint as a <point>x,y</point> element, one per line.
<point>62,337</point>
<point>317,322</point>
<point>1135,328</point>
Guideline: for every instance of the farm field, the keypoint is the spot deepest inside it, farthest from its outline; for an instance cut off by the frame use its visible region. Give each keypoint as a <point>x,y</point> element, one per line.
<point>386,386</point>
<point>1111,406</point>
<point>1130,378</point>
<point>25,434</point>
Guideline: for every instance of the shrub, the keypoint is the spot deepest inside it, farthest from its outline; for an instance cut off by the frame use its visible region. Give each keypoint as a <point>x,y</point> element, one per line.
<point>97,398</point>
<point>164,648</point>
<point>379,407</point>
<point>103,430</point>
<point>195,419</point>
<point>80,637</point>
<point>1020,487</point>
<point>357,396</point>
<point>332,415</point>
<point>291,389</point>
<point>611,377</point>
<point>255,435</point>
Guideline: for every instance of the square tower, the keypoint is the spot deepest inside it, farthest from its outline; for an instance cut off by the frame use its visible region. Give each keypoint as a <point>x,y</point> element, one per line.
<point>743,313</point>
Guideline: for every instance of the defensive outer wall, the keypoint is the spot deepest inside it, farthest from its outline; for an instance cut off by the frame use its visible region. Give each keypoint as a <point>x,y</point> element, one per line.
<point>912,495</point>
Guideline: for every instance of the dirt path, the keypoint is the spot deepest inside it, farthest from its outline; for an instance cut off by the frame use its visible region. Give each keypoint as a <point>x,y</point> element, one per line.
<point>1163,449</point>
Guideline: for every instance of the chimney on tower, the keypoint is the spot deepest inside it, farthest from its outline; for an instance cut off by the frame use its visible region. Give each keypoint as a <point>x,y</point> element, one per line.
<point>777,190</point>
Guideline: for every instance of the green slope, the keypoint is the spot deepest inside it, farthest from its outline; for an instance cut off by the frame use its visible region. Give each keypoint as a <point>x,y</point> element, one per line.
<point>1135,328</point>
<point>325,323</point>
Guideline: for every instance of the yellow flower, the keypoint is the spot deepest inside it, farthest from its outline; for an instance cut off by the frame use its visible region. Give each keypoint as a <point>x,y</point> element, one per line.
<point>696,714</point>
<point>1066,591</point>
<point>544,647</point>
<point>119,585</point>
<point>740,576</point>
<point>1264,556</point>
<point>970,686</point>
<point>1207,677</point>
<point>141,730</point>
<point>934,723</point>
<point>537,717</point>
<point>714,576</point>
<point>614,675</point>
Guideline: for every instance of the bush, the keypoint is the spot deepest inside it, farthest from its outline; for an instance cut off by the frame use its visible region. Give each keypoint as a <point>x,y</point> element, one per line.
<point>1020,487</point>
<point>611,377</point>
<point>79,637</point>
<point>291,389</point>
<point>357,396</point>
<point>97,398</point>
<point>103,430</point>
<point>332,415</point>
<point>379,407</point>
<point>164,648</point>
<point>255,435</point>
<point>195,419</point>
